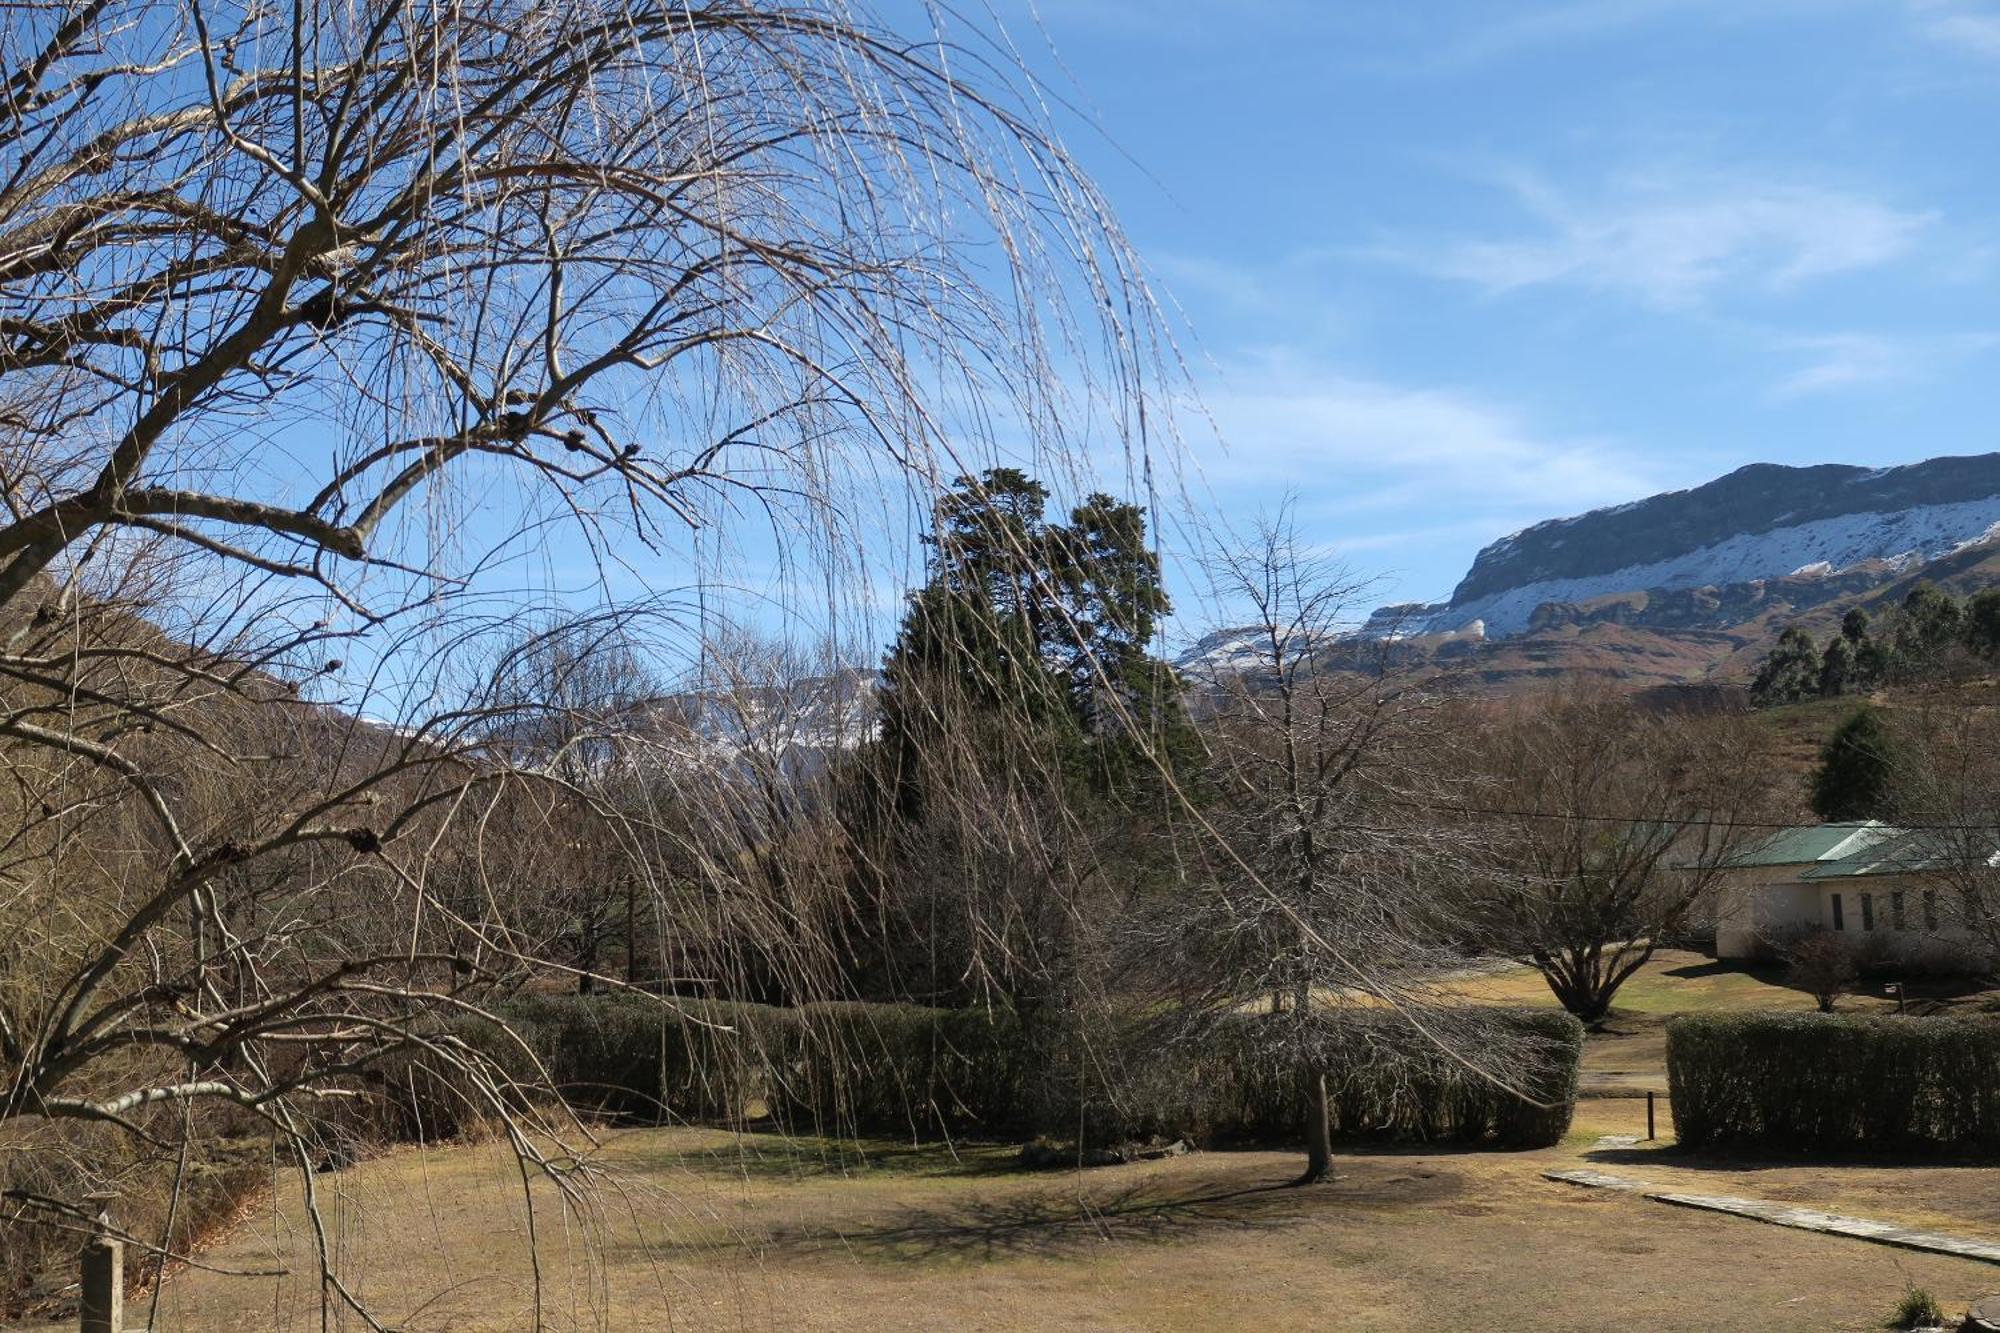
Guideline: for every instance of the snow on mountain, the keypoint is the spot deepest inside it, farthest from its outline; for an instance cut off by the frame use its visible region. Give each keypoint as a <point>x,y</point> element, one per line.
<point>789,725</point>
<point>1760,522</point>
<point>1826,546</point>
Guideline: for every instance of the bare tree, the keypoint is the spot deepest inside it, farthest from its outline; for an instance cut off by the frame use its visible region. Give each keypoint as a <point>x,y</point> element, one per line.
<point>1824,964</point>
<point>1945,787</point>
<point>1607,827</point>
<point>1327,778</point>
<point>315,321</point>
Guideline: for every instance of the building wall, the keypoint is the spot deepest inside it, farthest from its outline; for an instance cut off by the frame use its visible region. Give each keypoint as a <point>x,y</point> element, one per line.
<point>1928,931</point>
<point>1760,903</point>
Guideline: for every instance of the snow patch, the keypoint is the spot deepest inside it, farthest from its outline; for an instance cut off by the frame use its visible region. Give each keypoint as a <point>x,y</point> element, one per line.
<point>1814,549</point>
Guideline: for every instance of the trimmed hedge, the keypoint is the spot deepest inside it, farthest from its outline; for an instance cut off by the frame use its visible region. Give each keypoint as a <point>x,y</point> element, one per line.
<point>912,1072</point>
<point>902,1070</point>
<point>1243,1085</point>
<point>1835,1083</point>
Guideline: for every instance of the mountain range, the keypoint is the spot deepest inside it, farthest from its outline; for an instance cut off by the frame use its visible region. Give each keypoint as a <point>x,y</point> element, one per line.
<point>1693,585</point>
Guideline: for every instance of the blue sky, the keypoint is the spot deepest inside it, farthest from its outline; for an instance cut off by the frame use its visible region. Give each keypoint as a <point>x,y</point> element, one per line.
<point>1451,268</point>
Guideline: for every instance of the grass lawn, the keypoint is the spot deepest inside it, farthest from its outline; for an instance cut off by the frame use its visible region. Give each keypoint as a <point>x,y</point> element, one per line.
<point>1675,981</point>
<point>696,1229</point>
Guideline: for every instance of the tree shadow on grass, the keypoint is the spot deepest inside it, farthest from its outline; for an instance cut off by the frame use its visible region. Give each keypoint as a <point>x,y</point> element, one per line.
<point>1771,973</point>
<point>778,1157</point>
<point>1684,1159</point>
<point>1052,1221</point>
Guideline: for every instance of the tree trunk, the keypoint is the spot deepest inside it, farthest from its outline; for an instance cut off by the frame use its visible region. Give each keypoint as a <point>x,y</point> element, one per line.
<point>1319,1131</point>
<point>631,930</point>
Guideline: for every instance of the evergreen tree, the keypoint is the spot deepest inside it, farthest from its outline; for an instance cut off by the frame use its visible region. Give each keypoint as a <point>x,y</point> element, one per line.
<point>1852,781</point>
<point>1790,673</point>
<point>1982,623</point>
<point>1839,668</point>
<point>1021,718</point>
<point>1035,633</point>
<point>1871,658</point>
<point>1932,624</point>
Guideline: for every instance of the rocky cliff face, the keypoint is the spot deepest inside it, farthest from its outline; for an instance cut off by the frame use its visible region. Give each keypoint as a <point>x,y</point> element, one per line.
<point>1726,540</point>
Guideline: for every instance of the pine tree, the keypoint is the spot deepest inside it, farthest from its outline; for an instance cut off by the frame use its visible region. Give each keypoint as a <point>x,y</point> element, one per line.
<point>1038,631</point>
<point>1855,765</point>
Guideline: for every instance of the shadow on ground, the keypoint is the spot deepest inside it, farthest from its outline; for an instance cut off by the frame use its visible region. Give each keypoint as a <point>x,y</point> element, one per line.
<point>1680,1159</point>
<point>1087,1212</point>
<point>771,1156</point>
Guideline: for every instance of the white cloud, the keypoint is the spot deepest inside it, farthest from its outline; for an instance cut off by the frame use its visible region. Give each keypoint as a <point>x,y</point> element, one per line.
<point>1676,243</point>
<point>1972,26</point>
<point>1358,444</point>
<point>1841,361</point>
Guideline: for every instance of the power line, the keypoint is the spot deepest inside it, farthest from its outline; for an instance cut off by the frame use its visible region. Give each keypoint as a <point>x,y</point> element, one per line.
<point>1583,818</point>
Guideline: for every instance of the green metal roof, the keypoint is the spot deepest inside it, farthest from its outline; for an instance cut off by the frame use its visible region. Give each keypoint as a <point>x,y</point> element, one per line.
<point>1904,853</point>
<point>1814,842</point>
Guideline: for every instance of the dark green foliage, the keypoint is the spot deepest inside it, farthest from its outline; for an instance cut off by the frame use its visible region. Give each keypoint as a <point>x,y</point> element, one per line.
<point>1854,662</point>
<point>1834,1083</point>
<point>909,1072</point>
<point>1790,673</point>
<point>621,1054</point>
<point>1029,632</point>
<point>1982,623</point>
<point>1917,1309</point>
<point>902,1070</point>
<point>1242,1084</point>
<point>1931,625</point>
<point>1839,669</point>
<point>1855,768</point>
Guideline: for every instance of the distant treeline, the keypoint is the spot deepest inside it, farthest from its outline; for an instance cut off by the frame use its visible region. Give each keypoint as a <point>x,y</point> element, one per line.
<point>1917,641</point>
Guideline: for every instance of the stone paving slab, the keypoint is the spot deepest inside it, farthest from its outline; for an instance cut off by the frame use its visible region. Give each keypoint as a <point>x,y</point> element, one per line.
<point>1785,1215</point>
<point>1600,1180</point>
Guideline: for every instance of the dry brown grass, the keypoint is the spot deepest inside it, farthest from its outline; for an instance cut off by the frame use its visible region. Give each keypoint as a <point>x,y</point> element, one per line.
<point>703,1231</point>
<point>699,1230</point>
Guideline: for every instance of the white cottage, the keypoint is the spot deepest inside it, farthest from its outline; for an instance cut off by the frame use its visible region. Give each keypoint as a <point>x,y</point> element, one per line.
<point>1865,878</point>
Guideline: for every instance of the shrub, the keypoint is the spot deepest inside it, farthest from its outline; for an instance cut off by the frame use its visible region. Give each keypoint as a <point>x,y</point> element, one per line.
<point>907,1071</point>
<point>1243,1084</point>
<point>651,1058</point>
<point>1835,1083</point>
<point>1825,964</point>
<point>620,1054</point>
<point>902,1070</point>
<point>1917,1309</point>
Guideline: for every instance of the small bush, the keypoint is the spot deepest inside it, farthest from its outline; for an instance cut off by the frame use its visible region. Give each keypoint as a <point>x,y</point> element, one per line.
<point>1824,964</point>
<point>1834,1083</point>
<point>1917,1309</point>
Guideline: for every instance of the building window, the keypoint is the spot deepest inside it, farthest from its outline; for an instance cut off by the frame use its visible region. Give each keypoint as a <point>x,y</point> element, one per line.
<point>1930,909</point>
<point>1839,918</point>
<point>1868,911</point>
<point>1896,910</point>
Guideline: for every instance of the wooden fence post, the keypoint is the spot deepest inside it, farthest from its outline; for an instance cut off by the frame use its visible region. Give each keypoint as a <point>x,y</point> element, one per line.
<point>103,1263</point>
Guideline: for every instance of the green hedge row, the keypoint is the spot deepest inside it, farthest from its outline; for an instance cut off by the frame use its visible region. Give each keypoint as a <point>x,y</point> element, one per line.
<point>1835,1083</point>
<point>912,1072</point>
<point>1243,1083</point>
